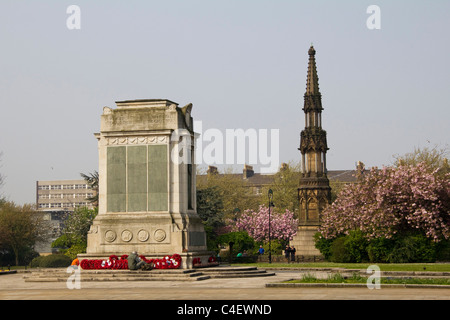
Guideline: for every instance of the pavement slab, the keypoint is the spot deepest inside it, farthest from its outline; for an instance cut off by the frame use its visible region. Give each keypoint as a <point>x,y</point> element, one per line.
<point>14,287</point>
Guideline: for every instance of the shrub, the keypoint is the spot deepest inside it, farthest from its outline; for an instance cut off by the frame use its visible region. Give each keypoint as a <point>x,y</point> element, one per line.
<point>323,245</point>
<point>413,248</point>
<point>276,245</point>
<point>443,251</point>
<point>349,248</point>
<point>378,250</point>
<point>338,251</point>
<point>355,245</point>
<point>35,263</point>
<point>51,261</point>
<point>74,250</point>
<point>241,241</point>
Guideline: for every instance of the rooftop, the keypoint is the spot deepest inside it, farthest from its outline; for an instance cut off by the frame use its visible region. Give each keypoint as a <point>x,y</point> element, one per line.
<point>144,103</point>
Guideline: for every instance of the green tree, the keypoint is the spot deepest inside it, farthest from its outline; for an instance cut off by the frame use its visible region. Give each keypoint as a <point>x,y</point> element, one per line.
<point>2,181</point>
<point>232,190</point>
<point>74,235</point>
<point>92,180</point>
<point>435,158</point>
<point>238,241</point>
<point>210,206</point>
<point>210,210</point>
<point>284,186</point>
<point>20,228</point>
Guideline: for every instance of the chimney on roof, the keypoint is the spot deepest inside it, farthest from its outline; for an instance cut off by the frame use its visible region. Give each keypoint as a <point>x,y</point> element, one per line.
<point>212,170</point>
<point>248,171</point>
<point>360,168</point>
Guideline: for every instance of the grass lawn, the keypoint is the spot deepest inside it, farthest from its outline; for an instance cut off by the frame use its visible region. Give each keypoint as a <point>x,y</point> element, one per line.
<point>442,267</point>
<point>356,278</point>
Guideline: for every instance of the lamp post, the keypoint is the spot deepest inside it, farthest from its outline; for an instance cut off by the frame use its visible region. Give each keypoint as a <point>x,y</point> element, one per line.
<point>270,194</point>
<point>237,211</point>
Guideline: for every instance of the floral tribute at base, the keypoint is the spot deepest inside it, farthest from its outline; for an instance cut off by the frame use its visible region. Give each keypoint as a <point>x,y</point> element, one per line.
<point>115,263</point>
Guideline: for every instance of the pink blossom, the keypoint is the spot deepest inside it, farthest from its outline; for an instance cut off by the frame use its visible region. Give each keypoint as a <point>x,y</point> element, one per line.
<point>390,200</point>
<point>256,223</point>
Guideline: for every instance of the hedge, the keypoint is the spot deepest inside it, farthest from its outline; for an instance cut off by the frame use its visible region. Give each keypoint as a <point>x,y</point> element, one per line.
<point>51,261</point>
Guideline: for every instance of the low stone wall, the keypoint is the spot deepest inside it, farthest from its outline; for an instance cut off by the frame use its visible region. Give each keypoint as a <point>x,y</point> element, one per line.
<point>282,259</point>
<point>275,259</point>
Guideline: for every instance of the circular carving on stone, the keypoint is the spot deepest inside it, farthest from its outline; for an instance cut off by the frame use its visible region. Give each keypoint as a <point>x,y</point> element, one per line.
<point>110,236</point>
<point>160,235</point>
<point>127,235</point>
<point>143,235</point>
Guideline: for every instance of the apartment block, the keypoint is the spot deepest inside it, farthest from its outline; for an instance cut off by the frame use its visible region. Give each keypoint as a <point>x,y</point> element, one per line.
<point>63,195</point>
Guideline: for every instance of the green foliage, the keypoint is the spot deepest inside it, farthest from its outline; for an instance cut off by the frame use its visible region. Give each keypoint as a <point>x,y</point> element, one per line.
<point>443,251</point>
<point>356,246</point>
<point>284,187</point>
<point>378,249</point>
<point>20,228</point>
<point>240,241</point>
<point>210,210</point>
<point>413,248</point>
<point>338,251</point>
<point>232,191</point>
<point>405,248</point>
<point>92,180</point>
<point>323,245</point>
<point>62,242</point>
<point>435,158</point>
<point>74,237</point>
<point>7,256</point>
<point>35,263</point>
<point>51,261</point>
<point>349,248</point>
<point>74,250</point>
<point>76,228</point>
<point>210,206</point>
<point>277,246</point>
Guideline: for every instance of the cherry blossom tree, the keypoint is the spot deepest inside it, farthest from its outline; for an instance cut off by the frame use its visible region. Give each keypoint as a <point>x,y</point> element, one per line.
<point>391,201</point>
<point>283,226</point>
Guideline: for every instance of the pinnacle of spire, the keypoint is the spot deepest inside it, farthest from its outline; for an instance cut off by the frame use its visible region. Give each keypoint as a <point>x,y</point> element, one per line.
<point>312,81</point>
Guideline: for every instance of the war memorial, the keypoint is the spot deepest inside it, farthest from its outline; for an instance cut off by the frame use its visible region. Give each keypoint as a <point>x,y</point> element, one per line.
<point>147,181</point>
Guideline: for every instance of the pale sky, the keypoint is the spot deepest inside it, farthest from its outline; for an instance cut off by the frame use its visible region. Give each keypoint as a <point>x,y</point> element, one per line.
<point>242,63</point>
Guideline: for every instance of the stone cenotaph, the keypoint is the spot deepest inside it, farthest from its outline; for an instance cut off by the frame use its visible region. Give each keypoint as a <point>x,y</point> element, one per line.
<point>147,184</point>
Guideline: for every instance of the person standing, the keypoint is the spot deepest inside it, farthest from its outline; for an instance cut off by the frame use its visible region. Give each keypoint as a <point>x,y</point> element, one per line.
<point>261,250</point>
<point>293,254</point>
<point>287,253</point>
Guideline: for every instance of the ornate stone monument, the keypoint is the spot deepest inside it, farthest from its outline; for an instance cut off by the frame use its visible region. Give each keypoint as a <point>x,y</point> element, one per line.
<point>314,190</point>
<point>147,184</point>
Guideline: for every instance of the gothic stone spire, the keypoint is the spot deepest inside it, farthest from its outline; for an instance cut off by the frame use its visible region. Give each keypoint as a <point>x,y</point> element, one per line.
<point>313,146</point>
<point>314,192</point>
<point>312,81</point>
<point>313,137</point>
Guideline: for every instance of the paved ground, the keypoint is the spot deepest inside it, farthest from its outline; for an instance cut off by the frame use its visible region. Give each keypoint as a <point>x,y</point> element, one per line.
<point>13,287</point>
